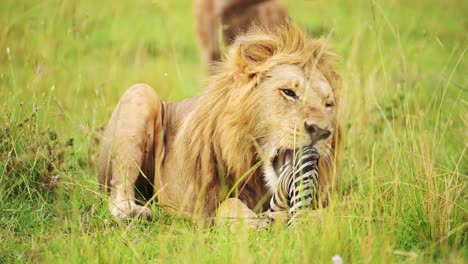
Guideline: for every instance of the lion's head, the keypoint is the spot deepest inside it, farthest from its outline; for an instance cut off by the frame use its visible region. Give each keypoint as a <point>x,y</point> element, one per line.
<point>274,92</point>
<point>301,108</point>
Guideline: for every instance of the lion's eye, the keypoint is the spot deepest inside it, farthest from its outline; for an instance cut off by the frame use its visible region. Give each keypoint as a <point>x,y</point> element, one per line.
<point>329,105</point>
<point>289,93</point>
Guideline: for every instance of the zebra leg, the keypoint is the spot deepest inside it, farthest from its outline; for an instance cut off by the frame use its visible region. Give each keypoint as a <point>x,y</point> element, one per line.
<point>279,203</point>
<point>297,185</point>
<point>303,184</point>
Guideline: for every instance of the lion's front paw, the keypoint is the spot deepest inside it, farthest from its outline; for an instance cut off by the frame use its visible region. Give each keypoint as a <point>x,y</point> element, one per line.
<point>307,216</point>
<point>128,210</point>
<point>235,214</point>
<point>274,217</point>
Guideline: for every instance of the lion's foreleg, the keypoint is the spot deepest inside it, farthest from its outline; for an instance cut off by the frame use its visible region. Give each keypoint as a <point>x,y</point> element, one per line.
<point>234,213</point>
<point>129,140</point>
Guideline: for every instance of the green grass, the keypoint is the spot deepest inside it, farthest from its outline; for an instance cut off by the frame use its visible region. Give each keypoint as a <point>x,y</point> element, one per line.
<point>402,193</point>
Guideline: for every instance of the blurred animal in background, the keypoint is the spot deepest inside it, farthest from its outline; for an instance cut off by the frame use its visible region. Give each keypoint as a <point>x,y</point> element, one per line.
<point>219,21</point>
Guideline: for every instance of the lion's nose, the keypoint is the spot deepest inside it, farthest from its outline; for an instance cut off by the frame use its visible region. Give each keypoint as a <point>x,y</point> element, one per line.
<point>316,133</point>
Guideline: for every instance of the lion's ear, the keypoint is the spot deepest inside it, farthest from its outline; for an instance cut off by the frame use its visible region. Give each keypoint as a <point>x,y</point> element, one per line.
<point>248,56</point>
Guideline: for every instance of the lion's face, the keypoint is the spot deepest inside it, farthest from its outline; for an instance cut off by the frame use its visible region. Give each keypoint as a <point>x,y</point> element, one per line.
<point>300,107</point>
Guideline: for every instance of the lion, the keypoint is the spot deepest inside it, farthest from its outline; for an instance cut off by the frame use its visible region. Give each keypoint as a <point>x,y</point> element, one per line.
<point>219,153</point>
<point>234,17</point>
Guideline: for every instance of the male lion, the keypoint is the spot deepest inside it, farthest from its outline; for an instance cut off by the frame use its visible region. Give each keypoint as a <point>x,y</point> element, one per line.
<point>234,17</point>
<point>220,152</point>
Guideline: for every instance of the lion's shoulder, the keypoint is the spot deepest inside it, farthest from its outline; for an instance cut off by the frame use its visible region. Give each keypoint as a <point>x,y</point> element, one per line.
<point>177,112</point>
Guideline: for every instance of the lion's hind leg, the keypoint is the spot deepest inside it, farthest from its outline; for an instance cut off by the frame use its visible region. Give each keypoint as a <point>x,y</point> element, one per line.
<point>127,156</point>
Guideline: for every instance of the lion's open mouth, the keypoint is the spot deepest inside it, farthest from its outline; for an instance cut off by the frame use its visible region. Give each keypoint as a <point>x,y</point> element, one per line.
<point>282,159</point>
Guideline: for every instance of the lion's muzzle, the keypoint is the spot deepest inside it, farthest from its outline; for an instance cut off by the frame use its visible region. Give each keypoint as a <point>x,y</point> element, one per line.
<point>316,133</point>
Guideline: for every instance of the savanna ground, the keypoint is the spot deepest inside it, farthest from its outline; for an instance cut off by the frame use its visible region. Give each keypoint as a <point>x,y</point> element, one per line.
<point>402,193</point>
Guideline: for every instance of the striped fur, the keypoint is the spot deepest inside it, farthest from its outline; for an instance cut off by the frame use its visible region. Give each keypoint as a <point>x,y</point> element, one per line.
<point>297,184</point>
